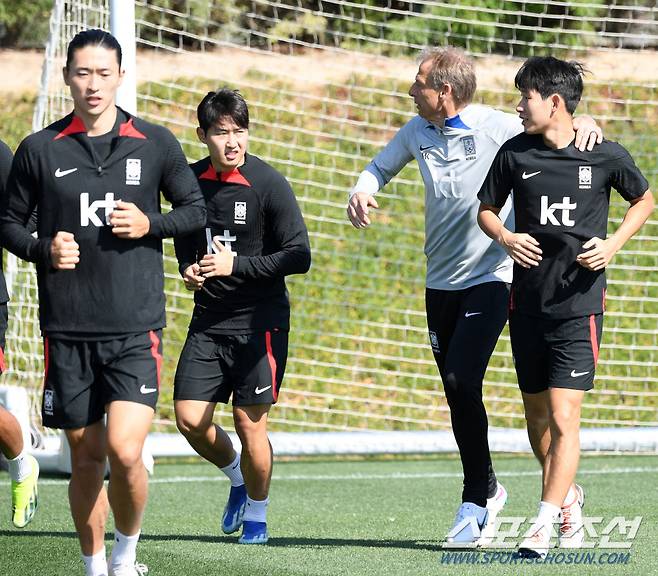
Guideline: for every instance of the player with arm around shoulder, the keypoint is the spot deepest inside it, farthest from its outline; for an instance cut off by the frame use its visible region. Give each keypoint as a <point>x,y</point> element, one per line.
<point>454,142</point>
<point>237,343</point>
<point>94,178</point>
<point>560,249</point>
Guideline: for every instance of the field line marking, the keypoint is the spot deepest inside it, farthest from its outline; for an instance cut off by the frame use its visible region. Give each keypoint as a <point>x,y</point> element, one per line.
<point>334,477</point>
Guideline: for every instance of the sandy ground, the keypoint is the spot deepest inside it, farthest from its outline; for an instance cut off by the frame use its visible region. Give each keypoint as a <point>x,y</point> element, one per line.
<point>21,71</point>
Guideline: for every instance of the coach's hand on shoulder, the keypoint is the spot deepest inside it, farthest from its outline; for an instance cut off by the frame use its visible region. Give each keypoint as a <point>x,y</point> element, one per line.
<point>588,132</point>
<point>64,251</point>
<point>358,208</point>
<point>598,253</point>
<point>523,248</point>
<point>128,221</point>
<point>220,264</point>
<point>192,278</point>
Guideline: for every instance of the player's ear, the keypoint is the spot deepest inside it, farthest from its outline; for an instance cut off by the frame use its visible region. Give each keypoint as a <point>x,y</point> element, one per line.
<point>201,135</point>
<point>122,72</point>
<point>65,75</point>
<point>555,100</point>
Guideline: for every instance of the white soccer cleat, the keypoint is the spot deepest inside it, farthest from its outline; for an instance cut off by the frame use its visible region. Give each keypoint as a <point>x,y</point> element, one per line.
<point>572,529</point>
<point>135,569</point>
<point>467,527</point>
<point>494,505</point>
<point>537,541</point>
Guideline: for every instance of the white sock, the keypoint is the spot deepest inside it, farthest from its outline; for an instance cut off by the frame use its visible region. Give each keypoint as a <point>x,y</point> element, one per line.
<point>125,549</point>
<point>20,467</point>
<point>233,471</point>
<point>95,565</point>
<point>256,510</point>
<point>548,513</point>
<point>571,496</point>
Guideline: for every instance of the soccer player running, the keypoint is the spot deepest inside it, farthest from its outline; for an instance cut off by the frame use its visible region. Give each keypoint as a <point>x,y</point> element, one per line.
<point>561,200</point>
<point>23,467</point>
<point>94,178</point>
<point>237,342</point>
<point>468,275</point>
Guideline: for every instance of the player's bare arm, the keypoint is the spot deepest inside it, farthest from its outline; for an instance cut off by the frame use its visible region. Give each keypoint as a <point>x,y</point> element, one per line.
<point>64,251</point>
<point>192,278</point>
<point>522,248</point>
<point>358,209</point>
<point>588,132</point>
<point>599,252</point>
<point>218,264</point>
<point>128,221</point>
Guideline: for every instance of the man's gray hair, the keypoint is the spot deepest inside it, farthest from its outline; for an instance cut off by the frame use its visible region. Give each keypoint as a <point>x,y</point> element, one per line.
<point>451,66</point>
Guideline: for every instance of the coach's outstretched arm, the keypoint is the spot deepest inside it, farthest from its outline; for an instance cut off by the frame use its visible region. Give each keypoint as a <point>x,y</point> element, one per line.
<point>386,165</point>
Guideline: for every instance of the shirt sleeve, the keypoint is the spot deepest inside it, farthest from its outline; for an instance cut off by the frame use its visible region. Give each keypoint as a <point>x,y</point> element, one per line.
<point>180,187</point>
<point>625,176</point>
<point>497,186</point>
<point>286,238</point>
<point>387,164</point>
<point>502,126</point>
<point>18,206</point>
<point>186,250</point>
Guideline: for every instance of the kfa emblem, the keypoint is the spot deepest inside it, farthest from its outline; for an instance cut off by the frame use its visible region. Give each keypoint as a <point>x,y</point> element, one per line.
<point>48,402</point>
<point>240,213</point>
<point>434,341</point>
<point>469,147</point>
<point>584,177</point>
<point>133,171</point>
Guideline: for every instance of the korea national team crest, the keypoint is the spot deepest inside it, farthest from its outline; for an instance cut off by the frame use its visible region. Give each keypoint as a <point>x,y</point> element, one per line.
<point>240,214</point>
<point>434,341</point>
<point>48,404</point>
<point>584,177</point>
<point>133,171</point>
<point>469,147</point>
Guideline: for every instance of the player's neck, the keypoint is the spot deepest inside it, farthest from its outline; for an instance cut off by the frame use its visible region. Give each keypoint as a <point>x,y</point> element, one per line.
<point>101,124</point>
<point>560,135</point>
<point>221,168</point>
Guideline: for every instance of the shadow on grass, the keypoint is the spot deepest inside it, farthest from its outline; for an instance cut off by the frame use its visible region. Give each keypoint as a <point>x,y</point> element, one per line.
<point>274,542</point>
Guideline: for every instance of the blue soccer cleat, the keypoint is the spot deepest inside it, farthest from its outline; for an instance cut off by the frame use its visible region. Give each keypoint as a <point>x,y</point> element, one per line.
<point>254,533</point>
<point>234,509</point>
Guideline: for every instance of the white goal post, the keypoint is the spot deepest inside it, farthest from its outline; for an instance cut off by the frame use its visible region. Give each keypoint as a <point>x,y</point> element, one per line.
<point>326,84</point>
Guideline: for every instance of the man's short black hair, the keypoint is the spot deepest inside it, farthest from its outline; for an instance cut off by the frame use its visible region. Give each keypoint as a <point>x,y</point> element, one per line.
<point>548,75</point>
<point>94,37</point>
<point>223,103</point>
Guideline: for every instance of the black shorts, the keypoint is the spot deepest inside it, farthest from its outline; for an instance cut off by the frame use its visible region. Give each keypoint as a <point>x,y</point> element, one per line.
<point>555,353</point>
<point>82,377</point>
<point>249,366</point>
<point>4,319</point>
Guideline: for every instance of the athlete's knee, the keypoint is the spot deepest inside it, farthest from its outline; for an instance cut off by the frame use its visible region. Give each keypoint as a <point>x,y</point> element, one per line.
<point>565,420</point>
<point>190,426</point>
<point>125,456</point>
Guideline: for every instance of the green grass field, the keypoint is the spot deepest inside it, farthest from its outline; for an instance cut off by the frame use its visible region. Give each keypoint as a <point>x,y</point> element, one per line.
<point>358,517</point>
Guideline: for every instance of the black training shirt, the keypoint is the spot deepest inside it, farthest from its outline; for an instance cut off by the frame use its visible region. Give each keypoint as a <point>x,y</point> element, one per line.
<point>117,287</point>
<point>254,212</point>
<point>561,198</point>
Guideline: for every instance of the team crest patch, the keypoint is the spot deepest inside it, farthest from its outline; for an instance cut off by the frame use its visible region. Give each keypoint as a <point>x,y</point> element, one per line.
<point>133,171</point>
<point>240,213</point>
<point>469,147</point>
<point>434,341</point>
<point>48,403</point>
<point>584,177</point>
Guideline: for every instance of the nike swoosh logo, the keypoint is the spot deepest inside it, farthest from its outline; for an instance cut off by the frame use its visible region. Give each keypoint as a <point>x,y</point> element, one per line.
<point>144,390</point>
<point>575,374</point>
<point>469,314</point>
<point>423,148</point>
<point>59,173</point>
<point>526,176</point>
<point>261,390</point>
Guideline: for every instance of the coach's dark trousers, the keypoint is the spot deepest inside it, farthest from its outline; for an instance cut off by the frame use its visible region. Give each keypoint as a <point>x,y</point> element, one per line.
<point>464,326</point>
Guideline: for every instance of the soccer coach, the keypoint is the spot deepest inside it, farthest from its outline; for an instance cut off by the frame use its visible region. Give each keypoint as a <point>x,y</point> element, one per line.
<point>94,178</point>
